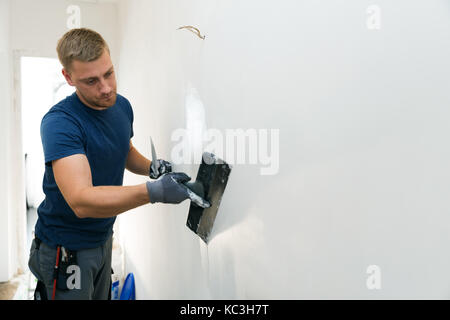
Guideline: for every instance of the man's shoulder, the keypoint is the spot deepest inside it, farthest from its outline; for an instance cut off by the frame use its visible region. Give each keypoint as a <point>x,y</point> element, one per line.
<point>125,106</point>
<point>61,115</point>
<point>122,100</point>
<point>62,107</point>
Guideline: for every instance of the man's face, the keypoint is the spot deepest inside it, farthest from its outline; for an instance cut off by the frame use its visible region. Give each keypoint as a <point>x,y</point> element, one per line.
<point>95,81</point>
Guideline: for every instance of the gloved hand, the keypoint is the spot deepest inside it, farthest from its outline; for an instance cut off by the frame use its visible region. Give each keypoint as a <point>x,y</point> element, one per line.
<point>168,188</point>
<point>164,167</point>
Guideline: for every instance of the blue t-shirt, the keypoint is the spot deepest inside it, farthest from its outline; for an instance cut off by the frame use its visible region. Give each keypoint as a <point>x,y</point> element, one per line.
<point>69,128</point>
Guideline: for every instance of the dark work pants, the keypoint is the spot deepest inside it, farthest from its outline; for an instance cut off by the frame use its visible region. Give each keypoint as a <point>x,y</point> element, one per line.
<point>94,266</point>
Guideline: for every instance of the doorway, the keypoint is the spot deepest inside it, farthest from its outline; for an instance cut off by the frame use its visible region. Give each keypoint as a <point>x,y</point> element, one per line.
<point>42,86</point>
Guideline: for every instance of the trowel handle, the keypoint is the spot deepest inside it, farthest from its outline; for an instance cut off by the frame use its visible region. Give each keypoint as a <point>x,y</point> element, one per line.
<point>196,193</point>
<point>196,187</point>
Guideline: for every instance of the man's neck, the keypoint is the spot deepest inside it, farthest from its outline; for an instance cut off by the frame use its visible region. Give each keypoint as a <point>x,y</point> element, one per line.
<point>80,96</point>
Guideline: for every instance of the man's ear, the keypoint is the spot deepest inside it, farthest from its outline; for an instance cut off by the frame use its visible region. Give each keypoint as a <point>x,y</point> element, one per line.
<point>68,78</point>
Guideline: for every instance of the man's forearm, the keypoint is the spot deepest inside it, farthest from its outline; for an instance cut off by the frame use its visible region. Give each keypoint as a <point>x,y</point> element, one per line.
<point>137,163</point>
<point>110,201</point>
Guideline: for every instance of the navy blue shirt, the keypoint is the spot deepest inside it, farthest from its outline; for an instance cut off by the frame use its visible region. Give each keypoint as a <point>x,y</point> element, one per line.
<point>69,128</point>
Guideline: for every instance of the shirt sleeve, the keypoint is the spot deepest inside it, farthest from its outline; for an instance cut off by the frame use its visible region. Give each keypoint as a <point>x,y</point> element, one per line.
<point>131,116</point>
<point>61,137</point>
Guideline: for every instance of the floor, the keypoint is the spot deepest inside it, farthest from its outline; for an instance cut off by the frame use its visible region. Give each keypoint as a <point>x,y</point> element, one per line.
<point>8,289</point>
<point>22,286</point>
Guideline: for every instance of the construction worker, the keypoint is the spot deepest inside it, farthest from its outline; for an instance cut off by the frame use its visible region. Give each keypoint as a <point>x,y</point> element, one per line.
<point>87,146</point>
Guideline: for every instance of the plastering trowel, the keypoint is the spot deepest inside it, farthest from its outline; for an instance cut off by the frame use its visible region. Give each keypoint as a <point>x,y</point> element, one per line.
<point>213,176</point>
<point>205,192</point>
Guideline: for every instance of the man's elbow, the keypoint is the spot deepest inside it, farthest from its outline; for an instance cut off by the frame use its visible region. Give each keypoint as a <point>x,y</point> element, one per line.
<point>78,204</point>
<point>80,212</point>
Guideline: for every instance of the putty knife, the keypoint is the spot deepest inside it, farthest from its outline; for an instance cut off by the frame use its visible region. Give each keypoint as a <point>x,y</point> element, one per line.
<point>194,189</point>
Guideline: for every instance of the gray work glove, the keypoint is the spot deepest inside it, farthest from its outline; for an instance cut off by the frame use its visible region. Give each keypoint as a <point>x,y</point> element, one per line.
<point>164,167</point>
<point>168,188</point>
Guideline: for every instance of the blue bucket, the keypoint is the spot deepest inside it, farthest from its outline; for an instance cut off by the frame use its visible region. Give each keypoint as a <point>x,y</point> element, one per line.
<point>128,289</point>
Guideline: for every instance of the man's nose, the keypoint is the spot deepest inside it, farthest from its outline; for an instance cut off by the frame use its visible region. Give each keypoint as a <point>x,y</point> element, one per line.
<point>105,88</point>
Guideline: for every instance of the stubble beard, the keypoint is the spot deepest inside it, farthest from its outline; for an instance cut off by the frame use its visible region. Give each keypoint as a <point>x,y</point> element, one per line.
<point>102,103</point>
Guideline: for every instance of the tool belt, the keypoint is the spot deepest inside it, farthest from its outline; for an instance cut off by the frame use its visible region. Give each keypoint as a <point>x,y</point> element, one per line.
<point>64,259</point>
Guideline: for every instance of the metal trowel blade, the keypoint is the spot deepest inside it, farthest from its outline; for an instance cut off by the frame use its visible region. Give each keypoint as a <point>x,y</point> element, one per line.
<point>213,173</point>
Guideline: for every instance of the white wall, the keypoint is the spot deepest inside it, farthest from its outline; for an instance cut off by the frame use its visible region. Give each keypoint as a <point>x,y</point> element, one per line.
<point>364,155</point>
<point>38,25</point>
<point>12,211</point>
<point>5,106</point>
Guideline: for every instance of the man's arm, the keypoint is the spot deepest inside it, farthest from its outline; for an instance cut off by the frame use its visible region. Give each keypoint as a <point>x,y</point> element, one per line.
<point>137,163</point>
<point>73,177</point>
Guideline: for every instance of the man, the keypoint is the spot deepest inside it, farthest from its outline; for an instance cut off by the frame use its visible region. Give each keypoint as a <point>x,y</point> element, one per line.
<point>87,146</point>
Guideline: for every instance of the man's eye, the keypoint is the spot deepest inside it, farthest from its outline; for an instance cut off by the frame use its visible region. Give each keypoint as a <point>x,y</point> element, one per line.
<point>108,74</point>
<point>91,82</point>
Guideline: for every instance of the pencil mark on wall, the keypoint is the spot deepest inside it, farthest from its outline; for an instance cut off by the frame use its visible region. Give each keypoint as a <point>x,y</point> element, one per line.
<point>194,30</point>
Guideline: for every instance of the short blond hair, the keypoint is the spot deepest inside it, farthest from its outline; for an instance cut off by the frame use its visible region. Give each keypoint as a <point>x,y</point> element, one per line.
<point>80,44</point>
